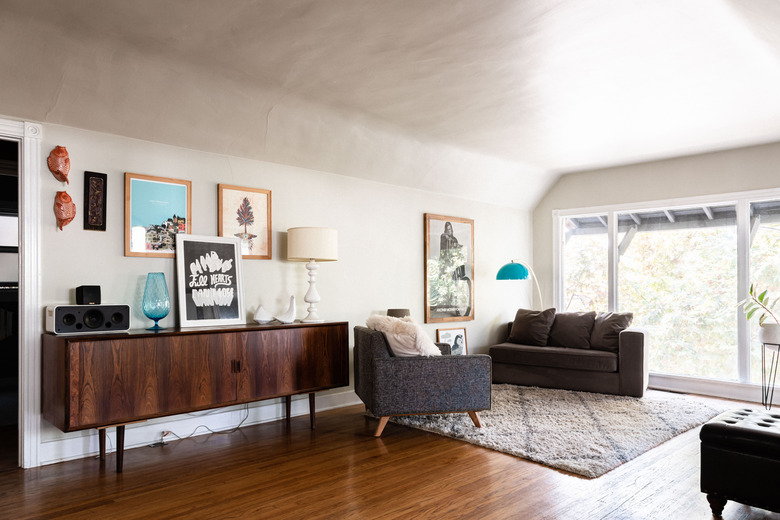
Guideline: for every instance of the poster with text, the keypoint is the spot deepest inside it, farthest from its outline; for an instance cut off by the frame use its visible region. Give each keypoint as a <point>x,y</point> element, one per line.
<point>209,281</point>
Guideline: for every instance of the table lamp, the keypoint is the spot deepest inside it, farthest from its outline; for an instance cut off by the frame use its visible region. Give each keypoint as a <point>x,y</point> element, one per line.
<point>517,270</point>
<point>312,245</point>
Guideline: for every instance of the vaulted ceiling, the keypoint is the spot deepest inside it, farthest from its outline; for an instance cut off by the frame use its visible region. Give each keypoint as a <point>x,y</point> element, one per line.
<point>489,99</point>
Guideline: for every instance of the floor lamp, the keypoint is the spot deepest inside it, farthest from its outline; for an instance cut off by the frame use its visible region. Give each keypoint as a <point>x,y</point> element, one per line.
<point>516,270</point>
<point>312,245</point>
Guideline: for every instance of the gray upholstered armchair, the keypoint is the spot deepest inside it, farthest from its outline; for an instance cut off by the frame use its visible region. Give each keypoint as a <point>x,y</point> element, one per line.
<point>390,385</point>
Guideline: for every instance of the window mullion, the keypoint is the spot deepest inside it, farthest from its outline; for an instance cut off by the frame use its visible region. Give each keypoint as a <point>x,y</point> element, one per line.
<point>612,262</point>
<point>743,284</point>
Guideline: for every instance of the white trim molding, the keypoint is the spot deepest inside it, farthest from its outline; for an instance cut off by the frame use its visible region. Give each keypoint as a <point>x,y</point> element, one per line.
<point>28,135</point>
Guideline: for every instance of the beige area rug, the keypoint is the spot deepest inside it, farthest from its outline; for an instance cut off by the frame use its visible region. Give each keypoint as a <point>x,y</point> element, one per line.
<point>584,433</point>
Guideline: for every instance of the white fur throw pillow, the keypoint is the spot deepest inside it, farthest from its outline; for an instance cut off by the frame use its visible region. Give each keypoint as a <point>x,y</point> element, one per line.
<point>406,338</point>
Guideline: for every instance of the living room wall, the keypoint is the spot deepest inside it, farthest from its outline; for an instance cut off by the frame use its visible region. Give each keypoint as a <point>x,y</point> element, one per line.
<point>729,171</point>
<point>380,262</point>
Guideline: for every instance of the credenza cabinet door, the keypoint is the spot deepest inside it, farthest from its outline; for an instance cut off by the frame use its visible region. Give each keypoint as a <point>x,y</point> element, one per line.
<point>293,361</point>
<point>122,380</point>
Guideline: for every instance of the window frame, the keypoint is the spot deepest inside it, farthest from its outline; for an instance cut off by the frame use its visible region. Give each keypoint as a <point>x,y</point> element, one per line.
<point>741,389</point>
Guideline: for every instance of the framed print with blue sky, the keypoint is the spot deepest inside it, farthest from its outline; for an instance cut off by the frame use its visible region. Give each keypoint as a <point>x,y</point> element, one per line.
<point>156,210</point>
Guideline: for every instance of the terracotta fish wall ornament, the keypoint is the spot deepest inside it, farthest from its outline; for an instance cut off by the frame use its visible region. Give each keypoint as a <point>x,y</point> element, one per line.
<point>59,164</point>
<point>64,209</point>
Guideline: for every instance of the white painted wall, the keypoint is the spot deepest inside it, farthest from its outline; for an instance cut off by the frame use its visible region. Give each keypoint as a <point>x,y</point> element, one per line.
<point>380,253</point>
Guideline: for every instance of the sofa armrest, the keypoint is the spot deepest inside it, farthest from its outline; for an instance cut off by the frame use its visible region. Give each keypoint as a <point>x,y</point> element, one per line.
<point>445,348</point>
<point>412,385</point>
<point>632,362</point>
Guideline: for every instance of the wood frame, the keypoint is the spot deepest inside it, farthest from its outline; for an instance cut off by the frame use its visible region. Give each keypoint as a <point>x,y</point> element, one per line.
<point>449,268</point>
<point>229,200</point>
<point>450,336</point>
<point>207,264</point>
<point>95,196</point>
<point>142,203</point>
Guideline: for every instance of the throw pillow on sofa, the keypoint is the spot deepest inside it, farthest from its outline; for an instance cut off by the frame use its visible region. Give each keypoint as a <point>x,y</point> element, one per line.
<point>607,329</point>
<point>405,337</point>
<point>532,327</point>
<point>572,329</point>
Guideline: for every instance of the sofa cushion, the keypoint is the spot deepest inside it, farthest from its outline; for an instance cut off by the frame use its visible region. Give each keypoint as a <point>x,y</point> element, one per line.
<point>607,329</point>
<point>532,327</point>
<point>572,329</point>
<point>405,337</point>
<point>555,357</point>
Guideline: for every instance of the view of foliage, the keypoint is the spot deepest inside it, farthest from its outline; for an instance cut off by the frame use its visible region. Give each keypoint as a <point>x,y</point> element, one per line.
<point>681,285</point>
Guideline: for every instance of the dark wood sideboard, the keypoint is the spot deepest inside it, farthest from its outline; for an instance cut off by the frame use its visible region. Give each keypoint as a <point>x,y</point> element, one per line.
<point>110,380</point>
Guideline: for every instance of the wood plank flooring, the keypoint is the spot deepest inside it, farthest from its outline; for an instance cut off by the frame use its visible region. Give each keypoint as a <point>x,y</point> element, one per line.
<point>339,471</point>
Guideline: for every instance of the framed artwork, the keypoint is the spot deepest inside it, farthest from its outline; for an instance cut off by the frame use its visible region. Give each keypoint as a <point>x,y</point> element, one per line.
<point>455,338</point>
<point>95,185</point>
<point>156,210</point>
<point>246,213</point>
<point>449,269</point>
<point>209,281</point>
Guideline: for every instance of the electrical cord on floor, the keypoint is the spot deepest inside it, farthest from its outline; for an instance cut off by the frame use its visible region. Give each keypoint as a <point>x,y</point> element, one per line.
<point>234,429</point>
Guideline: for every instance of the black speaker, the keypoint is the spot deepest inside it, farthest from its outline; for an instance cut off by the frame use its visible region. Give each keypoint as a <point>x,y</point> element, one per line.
<point>65,319</point>
<point>88,295</point>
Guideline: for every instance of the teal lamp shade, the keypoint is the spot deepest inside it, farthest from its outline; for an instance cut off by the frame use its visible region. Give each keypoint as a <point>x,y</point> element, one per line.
<point>512,271</point>
<point>519,271</point>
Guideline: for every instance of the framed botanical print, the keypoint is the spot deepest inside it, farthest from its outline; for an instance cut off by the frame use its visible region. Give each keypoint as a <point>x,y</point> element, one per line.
<point>449,268</point>
<point>209,281</point>
<point>246,213</point>
<point>455,338</point>
<point>156,210</point>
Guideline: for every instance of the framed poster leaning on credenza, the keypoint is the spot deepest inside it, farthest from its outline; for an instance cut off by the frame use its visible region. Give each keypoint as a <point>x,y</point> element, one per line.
<point>210,286</point>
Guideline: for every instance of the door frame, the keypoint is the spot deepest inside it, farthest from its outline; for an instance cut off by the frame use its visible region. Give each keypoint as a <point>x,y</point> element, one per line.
<point>28,135</point>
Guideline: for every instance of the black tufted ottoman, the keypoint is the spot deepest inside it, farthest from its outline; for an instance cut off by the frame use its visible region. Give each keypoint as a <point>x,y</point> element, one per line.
<point>740,459</point>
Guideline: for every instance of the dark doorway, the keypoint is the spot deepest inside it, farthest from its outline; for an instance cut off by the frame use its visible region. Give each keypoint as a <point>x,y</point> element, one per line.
<point>9,305</point>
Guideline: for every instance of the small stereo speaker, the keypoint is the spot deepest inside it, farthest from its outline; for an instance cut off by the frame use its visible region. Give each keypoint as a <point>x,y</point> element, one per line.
<point>88,295</point>
<point>67,319</point>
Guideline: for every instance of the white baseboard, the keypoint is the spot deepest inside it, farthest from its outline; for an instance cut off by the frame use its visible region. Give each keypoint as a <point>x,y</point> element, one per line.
<point>85,443</point>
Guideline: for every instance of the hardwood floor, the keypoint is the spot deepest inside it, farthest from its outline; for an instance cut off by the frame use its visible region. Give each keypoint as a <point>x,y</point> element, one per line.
<point>339,471</point>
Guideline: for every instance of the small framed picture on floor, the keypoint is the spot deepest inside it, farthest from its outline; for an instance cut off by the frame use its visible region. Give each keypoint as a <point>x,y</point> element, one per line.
<point>455,338</point>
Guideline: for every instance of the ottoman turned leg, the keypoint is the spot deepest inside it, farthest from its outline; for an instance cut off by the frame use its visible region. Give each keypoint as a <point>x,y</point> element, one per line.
<point>716,504</point>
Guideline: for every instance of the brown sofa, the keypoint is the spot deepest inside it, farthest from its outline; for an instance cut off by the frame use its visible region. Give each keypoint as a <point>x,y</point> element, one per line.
<point>573,351</point>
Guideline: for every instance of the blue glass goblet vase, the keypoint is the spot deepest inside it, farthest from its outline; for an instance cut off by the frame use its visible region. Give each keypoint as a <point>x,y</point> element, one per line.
<point>156,303</point>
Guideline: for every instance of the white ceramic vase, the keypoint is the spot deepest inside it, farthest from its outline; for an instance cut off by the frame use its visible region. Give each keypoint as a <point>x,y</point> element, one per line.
<point>769,333</point>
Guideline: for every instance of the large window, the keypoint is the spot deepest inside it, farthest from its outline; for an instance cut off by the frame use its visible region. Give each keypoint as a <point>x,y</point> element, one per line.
<point>681,269</point>
<point>764,266</point>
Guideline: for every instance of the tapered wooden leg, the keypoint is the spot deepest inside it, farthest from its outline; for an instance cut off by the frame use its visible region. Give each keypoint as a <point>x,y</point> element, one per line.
<point>312,408</point>
<point>716,504</point>
<point>288,407</point>
<point>381,426</point>
<point>475,419</point>
<point>120,448</point>
<point>102,442</point>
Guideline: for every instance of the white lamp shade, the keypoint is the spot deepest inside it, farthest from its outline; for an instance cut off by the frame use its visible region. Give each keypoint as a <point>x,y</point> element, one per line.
<point>307,243</point>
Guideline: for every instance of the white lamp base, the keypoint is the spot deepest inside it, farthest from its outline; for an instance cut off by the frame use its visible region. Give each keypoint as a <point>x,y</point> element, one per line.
<point>312,296</point>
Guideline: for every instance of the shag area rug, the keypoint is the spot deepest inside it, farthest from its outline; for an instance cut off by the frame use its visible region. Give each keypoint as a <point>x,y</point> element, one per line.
<point>583,433</point>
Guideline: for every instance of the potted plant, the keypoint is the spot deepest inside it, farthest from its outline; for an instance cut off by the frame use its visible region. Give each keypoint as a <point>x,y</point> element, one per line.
<point>759,304</point>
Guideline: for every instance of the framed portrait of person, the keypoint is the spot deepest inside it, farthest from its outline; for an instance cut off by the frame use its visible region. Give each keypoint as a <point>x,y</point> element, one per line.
<point>449,268</point>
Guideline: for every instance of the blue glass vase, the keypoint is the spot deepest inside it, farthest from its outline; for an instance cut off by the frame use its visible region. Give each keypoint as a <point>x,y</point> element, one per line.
<point>156,303</point>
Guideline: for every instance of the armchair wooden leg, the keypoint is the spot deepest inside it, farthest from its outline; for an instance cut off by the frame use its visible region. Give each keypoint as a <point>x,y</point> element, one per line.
<point>475,419</point>
<point>382,424</point>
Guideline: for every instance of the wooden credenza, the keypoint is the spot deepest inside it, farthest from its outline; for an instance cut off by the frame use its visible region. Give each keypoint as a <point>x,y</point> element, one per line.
<point>104,380</point>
